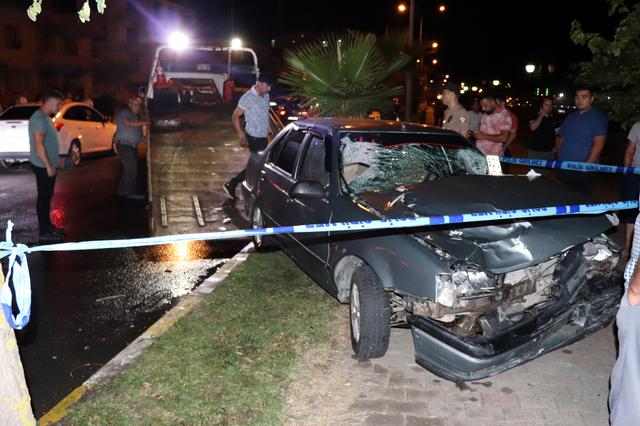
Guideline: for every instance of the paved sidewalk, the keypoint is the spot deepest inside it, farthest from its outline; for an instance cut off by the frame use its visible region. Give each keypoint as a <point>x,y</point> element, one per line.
<point>566,387</point>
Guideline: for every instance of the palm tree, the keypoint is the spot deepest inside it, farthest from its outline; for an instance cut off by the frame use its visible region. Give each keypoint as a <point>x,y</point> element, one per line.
<point>342,75</point>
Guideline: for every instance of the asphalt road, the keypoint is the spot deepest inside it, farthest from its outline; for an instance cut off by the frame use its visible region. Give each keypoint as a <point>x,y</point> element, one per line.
<point>87,306</point>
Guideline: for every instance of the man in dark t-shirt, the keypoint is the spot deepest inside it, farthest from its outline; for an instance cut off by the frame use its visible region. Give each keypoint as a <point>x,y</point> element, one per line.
<point>543,132</point>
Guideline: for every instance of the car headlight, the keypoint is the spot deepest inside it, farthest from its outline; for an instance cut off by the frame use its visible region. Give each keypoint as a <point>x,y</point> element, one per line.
<point>460,282</point>
<point>446,290</point>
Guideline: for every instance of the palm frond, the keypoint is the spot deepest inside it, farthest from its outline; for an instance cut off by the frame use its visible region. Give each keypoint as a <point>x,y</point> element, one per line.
<point>344,74</point>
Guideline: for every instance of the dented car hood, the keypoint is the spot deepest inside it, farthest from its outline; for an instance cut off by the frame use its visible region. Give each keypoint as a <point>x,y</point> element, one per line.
<point>501,246</point>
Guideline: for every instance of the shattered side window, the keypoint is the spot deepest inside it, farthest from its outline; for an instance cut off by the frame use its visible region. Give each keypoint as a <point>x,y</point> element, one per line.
<point>380,161</point>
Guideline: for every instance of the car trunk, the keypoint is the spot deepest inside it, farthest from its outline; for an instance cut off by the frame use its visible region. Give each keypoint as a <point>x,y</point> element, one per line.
<point>14,136</point>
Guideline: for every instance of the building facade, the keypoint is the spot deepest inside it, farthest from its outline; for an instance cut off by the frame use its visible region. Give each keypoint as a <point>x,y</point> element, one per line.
<point>111,53</point>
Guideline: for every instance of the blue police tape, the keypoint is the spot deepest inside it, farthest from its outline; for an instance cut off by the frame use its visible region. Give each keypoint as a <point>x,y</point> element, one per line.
<point>20,272</point>
<point>575,166</point>
<point>21,282</point>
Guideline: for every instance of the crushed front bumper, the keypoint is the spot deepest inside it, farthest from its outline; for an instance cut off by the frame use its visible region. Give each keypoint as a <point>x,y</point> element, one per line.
<point>459,359</point>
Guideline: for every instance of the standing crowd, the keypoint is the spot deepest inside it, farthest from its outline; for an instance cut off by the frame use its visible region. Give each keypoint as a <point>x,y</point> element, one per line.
<point>580,137</point>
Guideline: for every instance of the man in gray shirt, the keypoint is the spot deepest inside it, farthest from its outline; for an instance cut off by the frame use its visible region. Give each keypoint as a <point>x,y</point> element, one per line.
<point>128,137</point>
<point>44,155</point>
<point>254,105</point>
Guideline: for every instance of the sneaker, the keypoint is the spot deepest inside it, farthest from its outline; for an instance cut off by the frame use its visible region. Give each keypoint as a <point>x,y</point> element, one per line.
<point>229,189</point>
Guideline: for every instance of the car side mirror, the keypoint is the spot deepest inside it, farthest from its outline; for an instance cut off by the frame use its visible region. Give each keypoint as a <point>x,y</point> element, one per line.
<point>308,189</point>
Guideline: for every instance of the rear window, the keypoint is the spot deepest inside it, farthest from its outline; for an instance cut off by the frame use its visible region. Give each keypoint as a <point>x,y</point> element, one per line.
<point>19,113</point>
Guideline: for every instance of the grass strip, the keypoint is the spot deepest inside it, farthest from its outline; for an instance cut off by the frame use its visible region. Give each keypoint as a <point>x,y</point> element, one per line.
<point>228,361</point>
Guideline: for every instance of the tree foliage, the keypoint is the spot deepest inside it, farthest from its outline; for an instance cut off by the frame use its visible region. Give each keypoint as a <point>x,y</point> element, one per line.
<point>84,14</point>
<point>614,69</point>
<point>343,73</point>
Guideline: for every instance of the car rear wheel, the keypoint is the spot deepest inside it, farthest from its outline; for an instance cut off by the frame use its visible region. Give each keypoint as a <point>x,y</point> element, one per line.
<point>75,154</point>
<point>370,314</point>
<point>257,222</point>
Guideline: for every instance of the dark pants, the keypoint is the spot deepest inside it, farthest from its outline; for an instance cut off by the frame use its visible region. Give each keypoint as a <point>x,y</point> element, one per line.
<point>128,181</point>
<point>255,145</point>
<point>45,186</point>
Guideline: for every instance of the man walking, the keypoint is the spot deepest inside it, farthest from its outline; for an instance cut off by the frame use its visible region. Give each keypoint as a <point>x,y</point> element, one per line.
<point>581,138</point>
<point>254,105</point>
<point>625,377</point>
<point>455,117</point>
<point>495,128</point>
<point>128,136</point>
<point>44,155</point>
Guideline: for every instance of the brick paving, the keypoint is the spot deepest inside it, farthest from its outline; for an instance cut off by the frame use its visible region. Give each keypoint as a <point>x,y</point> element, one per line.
<point>566,387</point>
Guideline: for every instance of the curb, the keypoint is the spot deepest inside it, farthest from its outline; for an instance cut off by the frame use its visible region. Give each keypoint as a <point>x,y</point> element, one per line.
<point>129,354</point>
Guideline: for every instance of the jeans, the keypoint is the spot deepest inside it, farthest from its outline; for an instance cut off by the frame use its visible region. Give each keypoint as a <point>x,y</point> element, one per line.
<point>255,145</point>
<point>45,186</point>
<point>128,181</point>
<point>625,377</point>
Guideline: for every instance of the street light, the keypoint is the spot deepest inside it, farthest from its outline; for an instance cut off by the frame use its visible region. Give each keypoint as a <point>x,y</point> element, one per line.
<point>442,8</point>
<point>178,40</point>
<point>236,43</point>
<point>434,45</point>
<point>530,68</point>
<point>496,82</point>
<point>402,8</point>
<point>434,62</point>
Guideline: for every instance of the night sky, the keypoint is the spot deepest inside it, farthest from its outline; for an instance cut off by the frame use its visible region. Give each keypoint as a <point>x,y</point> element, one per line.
<point>478,39</point>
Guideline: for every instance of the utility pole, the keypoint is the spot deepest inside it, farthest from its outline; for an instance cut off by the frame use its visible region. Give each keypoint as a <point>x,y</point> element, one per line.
<point>409,89</point>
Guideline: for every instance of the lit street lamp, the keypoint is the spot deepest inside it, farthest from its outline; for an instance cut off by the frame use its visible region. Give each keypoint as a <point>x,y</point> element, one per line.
<point>496,82</point>
<point>178,40</point>
<point>530,68</point>
<point>236,43</point>
<point>442,8</point>
<point>402,8</point>
<point>434,62</point>
<point>434,45</point>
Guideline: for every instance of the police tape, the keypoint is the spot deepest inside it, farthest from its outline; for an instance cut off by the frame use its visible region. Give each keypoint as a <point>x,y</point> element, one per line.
<point>575,166</point>
<point>19,271</point>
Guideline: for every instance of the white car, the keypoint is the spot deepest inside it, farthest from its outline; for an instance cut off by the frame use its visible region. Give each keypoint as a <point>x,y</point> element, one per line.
<point>81,130</point>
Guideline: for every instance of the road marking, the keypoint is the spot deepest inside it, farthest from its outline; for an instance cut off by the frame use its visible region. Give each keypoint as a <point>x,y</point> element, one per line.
<point>58,412</point>
<point>163,211</point>
<point>196,206</point>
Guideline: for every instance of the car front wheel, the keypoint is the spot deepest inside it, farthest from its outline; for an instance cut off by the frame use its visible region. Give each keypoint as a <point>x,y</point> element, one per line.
<point>74,155</point>
<point>370,314</point>
<point>257,222</point>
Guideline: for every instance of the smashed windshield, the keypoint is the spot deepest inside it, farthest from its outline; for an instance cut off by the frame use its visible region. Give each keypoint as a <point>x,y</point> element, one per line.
<point>380,161</point>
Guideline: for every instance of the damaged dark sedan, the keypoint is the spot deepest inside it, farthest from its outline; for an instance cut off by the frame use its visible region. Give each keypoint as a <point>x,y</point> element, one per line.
<point>479,298</point>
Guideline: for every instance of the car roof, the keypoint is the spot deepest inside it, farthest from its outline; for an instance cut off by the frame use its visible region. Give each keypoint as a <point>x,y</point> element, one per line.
<point>369,125</point>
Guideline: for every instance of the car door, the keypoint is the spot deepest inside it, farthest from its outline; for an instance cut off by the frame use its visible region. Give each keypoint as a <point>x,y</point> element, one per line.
<point>103,133</point>
<point>276,181</point>
<point>312,250</point>
<point>78,126</point>
<point>93,132</point>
